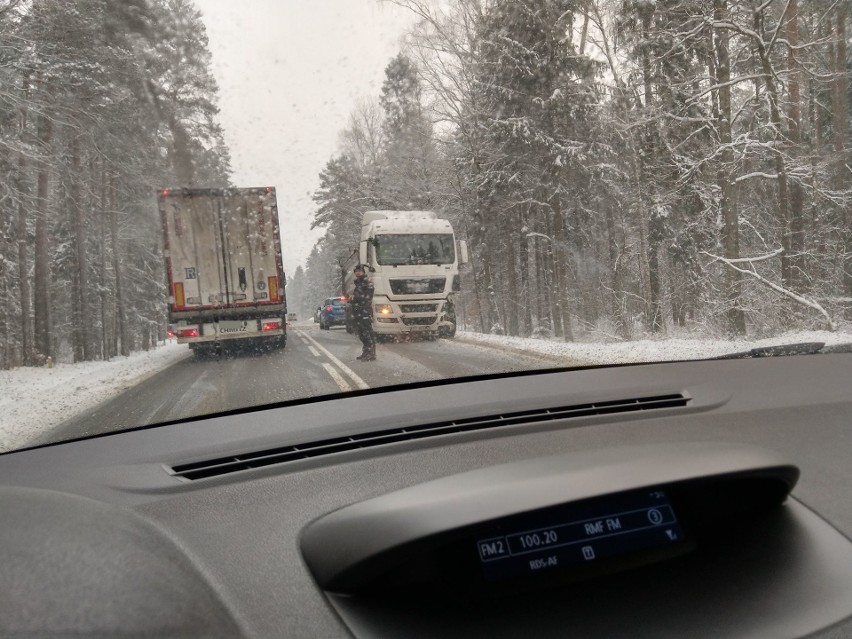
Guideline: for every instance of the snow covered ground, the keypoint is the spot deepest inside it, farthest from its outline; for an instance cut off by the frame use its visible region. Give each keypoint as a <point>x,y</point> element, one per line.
<point>33,400</point>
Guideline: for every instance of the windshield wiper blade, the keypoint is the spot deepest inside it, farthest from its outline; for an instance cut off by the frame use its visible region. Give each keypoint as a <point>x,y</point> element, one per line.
<point>843,347</point>
<point>795,348</point>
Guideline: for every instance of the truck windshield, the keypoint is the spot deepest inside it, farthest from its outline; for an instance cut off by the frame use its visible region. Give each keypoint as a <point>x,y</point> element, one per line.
<point>437,248</point>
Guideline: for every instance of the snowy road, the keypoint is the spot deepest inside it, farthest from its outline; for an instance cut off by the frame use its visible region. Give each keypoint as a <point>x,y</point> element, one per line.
<point>168,384</point>
<point>314,363</point>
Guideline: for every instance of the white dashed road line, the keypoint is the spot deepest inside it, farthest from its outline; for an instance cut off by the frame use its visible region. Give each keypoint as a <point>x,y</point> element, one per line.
<point>337,377</point>
<point>360,383</point>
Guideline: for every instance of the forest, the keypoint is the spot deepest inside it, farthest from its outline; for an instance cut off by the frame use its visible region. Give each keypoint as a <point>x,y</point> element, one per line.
<point>620,168</point>
<point>101,103</point>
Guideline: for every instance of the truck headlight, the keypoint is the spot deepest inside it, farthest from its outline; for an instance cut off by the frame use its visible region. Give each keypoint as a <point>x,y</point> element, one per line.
<point>384,309</point>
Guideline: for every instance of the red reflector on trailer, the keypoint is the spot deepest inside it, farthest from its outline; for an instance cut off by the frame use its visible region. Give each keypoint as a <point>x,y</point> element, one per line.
<point>188,332</point>
<point>271,326</point>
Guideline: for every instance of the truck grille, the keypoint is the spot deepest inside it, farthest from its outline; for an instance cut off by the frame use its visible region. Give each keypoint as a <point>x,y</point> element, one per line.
<point>418,308</point>
<point>430,285</point>
<point>419,321</point>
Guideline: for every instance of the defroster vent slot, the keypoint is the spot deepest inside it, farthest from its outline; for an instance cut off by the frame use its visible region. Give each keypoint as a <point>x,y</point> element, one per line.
<point>284,454</point>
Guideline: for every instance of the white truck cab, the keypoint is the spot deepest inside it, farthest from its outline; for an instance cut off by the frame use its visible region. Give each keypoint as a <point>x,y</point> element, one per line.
<point>414,259</point>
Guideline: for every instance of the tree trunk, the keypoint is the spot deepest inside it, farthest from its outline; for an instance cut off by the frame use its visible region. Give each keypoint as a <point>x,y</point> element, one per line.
<point>562,255</point>
<point>649,154</point>
<point>543,286</point>
<point>120,314</point>
<point>106,351</point>
<point>840,113</point>
<point>5,336</point>
<point>617,309</point>
<point>654,273</point>
<point>725,175</point>
<point>526,310</point>
<point>787,278</point>
<point>553,268</point>
<point>22,189</point>
<point>41,300</point>
<point>81,241</point>
<point>512,296</point>
<point>794,116</point>
<point>23,263</point>
<point>181,155</point>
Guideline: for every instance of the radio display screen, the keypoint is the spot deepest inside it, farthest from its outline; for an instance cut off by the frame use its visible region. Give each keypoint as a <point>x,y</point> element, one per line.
<point>580,534</point>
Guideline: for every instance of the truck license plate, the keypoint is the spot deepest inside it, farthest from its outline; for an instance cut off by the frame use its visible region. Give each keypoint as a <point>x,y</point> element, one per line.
<point>237,326</point>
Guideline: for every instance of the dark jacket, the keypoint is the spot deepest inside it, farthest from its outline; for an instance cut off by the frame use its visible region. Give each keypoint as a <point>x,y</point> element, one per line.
<point>362,298</point>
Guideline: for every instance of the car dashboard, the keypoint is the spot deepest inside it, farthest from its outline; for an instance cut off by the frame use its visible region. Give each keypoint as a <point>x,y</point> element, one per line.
<point>700,498</point>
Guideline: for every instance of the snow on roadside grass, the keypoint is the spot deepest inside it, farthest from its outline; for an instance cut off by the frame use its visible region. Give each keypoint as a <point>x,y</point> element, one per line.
<point>646,350</point>
<point>33,400</point>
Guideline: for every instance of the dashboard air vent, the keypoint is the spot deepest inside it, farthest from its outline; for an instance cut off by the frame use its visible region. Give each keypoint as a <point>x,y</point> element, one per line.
<point>268,457</point>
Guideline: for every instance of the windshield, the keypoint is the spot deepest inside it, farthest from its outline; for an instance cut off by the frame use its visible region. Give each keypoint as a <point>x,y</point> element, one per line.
<point>622,182</point>
<point>396,250</point>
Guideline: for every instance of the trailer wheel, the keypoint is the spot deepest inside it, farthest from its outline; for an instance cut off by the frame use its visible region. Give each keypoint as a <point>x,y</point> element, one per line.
<point>204,352</point>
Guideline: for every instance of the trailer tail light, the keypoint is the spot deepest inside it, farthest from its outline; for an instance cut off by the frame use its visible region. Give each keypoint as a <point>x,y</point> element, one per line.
<point>273,287</point>
<point>188,332</point>
<point>271,326</point>
<point>180,297</point>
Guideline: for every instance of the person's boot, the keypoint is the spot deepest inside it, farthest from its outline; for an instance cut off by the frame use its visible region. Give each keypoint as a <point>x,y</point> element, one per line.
<point>370,356</point>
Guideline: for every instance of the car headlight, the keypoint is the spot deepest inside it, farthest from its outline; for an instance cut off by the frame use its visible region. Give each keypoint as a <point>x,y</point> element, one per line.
<point>384,309</point>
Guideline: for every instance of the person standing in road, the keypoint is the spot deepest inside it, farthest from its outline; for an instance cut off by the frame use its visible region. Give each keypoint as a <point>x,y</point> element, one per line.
<point>361,306</point>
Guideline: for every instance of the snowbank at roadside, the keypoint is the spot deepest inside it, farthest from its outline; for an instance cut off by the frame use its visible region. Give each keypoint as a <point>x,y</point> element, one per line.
<point>646,350</point>
<point>32,400</point>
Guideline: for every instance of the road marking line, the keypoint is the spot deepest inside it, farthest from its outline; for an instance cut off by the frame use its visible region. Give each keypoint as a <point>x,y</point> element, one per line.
<point>314,351</point>
<point>360,383</point>
<point>345,387</point>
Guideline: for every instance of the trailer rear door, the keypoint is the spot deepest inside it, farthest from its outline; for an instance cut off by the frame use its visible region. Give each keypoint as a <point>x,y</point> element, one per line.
<point>223,248</point>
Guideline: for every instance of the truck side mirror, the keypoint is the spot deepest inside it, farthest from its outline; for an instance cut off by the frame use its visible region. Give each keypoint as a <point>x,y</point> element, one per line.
<point>463,256</point>
<point>362,252</point>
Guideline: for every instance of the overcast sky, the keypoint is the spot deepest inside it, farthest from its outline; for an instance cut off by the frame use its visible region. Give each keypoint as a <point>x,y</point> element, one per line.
<point>289,74</point>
